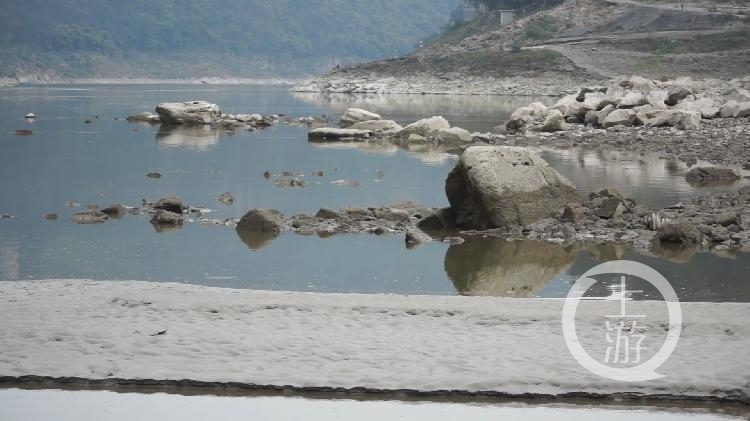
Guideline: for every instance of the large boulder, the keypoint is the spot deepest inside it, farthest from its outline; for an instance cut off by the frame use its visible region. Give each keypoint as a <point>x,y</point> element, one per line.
<point>620,117</point>
<point>378,126</point>
<point>504,187</point>
<point>428,127</point>
<point>194,112</point>
<point>454,135</point>
<point>604,113</point>
<point>525,115</point>
<point>356,115</point>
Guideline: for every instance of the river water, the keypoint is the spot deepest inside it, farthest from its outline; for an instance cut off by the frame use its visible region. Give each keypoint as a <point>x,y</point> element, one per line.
<point>106,161</point>
<point>22,405</point>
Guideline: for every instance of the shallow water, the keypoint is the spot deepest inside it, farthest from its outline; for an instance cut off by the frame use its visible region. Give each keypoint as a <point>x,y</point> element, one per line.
<point>21,405</point>
<point>106,161</point>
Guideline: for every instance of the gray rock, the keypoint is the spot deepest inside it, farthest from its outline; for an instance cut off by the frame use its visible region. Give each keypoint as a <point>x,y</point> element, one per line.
<point>415,238</point>
<point>357,115</point>
<point>504,187</point>
<point>729,109</point>
<point>30,116</point>
<point>554,122</point>
<point>604,113</point>
<point>166,219</point>
<point>226,198</point>
<point>620,117</point>
<point>744,194</point>
<point>114,211</point>
<point>454,135</point>
<point>611,208</point>
<point>195,112</point>
<point>90,217</point>
<point>170,203</point>
<point>263,221</point>
<point>325,213</point>
<point>441,220</point>
<point>428,127</point>
<point>711,174</point>
<point>676,93</point>
<point>572,213</point>
<point>679,231</point>
<point>631,100</point>
<point>726,219</point>
<point>384,127</point>
<point>743,110</point>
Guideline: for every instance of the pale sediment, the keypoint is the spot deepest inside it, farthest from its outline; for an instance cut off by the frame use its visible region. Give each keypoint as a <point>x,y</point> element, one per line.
<point>173,334</point>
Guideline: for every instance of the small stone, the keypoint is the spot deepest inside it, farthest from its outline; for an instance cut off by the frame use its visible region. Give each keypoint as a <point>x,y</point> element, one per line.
<point>51,217</point>
<point>726,219</point>
<point>114,211</point>
<point>325,213</point>
<point>153,175</point>
<point>226,198</point>
<point>611,208</point>
<point>90,217</point>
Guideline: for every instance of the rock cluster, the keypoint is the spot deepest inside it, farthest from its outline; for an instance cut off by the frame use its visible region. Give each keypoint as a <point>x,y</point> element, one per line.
<point>359,125</point>
<point>636,101</point>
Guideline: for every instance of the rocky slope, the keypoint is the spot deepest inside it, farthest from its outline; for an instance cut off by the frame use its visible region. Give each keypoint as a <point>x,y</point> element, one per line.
<point>551,52</point>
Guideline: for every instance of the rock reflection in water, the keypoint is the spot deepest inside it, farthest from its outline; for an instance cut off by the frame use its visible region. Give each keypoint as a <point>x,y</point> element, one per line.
<point>496,267</point>
<point>428,153</point>
<point>256,240</point>
<point>199,138</point>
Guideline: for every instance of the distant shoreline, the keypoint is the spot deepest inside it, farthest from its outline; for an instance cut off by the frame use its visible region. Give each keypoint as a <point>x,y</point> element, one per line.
<point>8,82</point>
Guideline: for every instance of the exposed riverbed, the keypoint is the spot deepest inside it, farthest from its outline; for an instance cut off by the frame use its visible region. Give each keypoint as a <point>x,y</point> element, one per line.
<point>67,164</point>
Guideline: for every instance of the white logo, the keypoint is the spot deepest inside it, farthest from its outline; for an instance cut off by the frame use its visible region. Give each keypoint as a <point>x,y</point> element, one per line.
<point>622,337</point>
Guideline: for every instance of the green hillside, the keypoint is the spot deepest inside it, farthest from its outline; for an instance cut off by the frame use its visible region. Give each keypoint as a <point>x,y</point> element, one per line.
<point>192,38</point>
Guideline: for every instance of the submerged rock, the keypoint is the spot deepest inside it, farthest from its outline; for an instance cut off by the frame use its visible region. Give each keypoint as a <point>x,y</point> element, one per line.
<point>330,134</point>
<point>504,187</point>
<point>195,112</point>
<point>30,116</point>
<point>226,198</point>
<point>90,217</point>
<point>144,117</point>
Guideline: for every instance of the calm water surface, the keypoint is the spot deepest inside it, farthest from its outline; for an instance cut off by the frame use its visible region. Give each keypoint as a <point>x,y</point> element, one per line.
<point>106,161</point>
<point>22,405</point>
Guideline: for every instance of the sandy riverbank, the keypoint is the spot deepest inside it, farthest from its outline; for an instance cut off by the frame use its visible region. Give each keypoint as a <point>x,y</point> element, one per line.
<point>180,334</point>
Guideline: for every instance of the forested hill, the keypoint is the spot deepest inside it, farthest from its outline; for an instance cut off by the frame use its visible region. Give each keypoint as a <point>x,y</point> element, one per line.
<point>194,38</point>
